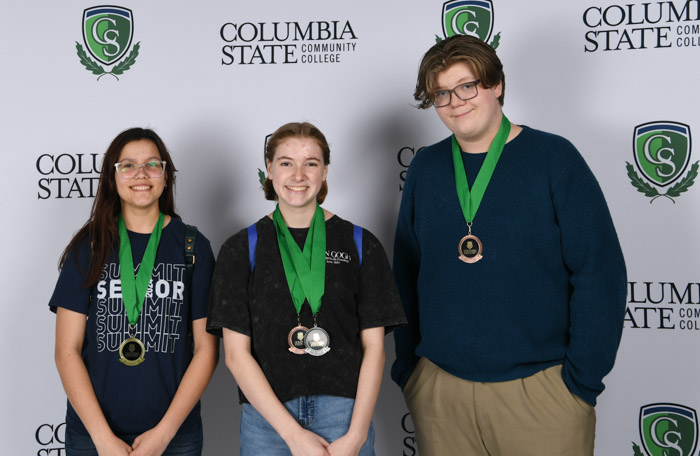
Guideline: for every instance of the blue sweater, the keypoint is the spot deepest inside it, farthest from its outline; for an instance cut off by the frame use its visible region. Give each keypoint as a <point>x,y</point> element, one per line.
<point>550,288</point>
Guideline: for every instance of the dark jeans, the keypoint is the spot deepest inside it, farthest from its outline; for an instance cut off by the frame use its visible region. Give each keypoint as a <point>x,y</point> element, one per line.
<point>185,443</point>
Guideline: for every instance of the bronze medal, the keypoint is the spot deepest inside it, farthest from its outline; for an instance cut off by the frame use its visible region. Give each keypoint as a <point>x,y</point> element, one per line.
<point>317,341</point>
<point>131,351</point>
<point>470,249</point>
<point>296,340</point>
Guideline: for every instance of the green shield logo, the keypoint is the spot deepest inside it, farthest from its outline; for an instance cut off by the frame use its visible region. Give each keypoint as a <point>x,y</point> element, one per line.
<point>668,429</point>
<point>662,151</point>
<point>468,17</point>
<point>107,32</point>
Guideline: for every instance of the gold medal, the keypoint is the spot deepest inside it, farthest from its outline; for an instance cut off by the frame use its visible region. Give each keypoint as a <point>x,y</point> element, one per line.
<point>296,340</point>
<point>317,341</point>
<point>470,248</point>
<point>131,351</point>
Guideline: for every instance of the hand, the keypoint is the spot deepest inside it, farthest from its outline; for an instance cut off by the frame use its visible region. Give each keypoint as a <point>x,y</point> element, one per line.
<point>345,446</point>
<point>112,446</point>
<point>306,443</point>
<point>150,443</point>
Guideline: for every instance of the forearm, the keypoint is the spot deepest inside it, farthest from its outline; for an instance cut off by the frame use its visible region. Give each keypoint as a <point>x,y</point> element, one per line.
<point>70,333</point>
<point>369,382</point>
<point>595,330</point>
<point>252,381</point>
<point>598,282</point>
<point>406,266</point>
<point>81,394</point>
<point>406,340</point>
<point>194,382</point>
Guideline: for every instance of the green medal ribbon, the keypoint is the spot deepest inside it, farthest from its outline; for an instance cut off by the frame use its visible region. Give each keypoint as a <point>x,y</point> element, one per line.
<point>134,289</point>
<point>305,270</point>
<point>470,201</point>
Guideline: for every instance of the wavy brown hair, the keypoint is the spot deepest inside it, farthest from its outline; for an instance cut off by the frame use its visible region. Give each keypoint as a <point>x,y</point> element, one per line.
<point>101,228</point>
<point>296,130</point>
<point>479,56</point>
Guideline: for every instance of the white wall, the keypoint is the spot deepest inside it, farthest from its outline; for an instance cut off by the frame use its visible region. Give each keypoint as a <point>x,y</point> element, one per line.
<point>214,118</point>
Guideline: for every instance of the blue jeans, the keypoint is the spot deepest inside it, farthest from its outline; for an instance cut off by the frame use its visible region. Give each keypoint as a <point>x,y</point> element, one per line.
<point>327,416</point>
<point>187,443</point>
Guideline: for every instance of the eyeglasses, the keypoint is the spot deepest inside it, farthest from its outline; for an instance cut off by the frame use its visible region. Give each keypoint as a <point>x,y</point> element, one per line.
<point>464,92</point>
<point>129,170</point>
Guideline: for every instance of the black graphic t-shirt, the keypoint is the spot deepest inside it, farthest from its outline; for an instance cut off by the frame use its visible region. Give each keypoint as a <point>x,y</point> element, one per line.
<point>259,304</point>
<point>135,398</point>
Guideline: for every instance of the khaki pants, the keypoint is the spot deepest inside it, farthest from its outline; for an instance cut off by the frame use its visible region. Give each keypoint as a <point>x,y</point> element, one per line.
<point>536,416</point>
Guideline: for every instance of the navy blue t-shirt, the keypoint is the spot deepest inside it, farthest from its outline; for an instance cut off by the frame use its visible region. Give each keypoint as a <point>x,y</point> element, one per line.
<point>135,398</point>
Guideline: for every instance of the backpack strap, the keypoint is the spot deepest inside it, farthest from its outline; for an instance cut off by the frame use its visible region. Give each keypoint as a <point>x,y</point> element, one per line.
<point>190,238</point>
<point>253,242</point>
<point>357,237</point>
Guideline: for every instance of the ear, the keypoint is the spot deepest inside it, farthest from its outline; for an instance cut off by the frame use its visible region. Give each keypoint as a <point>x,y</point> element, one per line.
<point>325,172</point>
<point>269,166</point>
<point>498,89</point>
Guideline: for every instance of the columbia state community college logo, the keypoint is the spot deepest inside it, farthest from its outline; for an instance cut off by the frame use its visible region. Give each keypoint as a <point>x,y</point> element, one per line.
<point>469,17</point>
<point>662,154</point>
<point>642,25</point>
<point>667,430</point>
<point>107,35</point>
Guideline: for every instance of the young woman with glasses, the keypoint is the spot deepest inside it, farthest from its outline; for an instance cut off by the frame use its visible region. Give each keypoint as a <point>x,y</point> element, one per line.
<point>131,343</point>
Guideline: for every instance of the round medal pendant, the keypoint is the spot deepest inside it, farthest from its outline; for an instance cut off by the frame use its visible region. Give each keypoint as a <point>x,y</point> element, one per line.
<point>470,249</point>
<point>317,341</point>
<point>131,352</point>
<point>296,340</point>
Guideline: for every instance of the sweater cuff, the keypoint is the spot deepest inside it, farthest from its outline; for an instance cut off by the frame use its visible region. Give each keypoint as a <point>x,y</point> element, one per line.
<point>402,369</point>
<point>586,393</point>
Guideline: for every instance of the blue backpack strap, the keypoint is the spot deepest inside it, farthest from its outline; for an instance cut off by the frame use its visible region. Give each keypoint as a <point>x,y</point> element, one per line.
<point>252,243</point>
<point>357,237</point>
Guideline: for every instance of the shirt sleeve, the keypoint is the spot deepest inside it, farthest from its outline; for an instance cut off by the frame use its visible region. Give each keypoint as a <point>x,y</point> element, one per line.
<point>202,276</point>
<point>378,300</point>
<point>406,267</point>
<point>228,304</point>
<point>70,293</point>
<point>598,278</point>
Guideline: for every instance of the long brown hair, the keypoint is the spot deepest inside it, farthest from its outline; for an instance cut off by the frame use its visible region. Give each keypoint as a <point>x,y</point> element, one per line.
<point>101,228</point>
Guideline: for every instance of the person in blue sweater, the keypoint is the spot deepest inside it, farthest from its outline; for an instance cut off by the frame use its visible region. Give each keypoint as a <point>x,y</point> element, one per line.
<point>510,272</point>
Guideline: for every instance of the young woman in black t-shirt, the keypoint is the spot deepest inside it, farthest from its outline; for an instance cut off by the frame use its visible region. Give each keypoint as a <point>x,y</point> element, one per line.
<point>303,299</point>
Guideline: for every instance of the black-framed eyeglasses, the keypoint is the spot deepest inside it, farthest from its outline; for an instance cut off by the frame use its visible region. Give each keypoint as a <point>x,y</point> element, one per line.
<point>465,91</point>
<point>129,170</point>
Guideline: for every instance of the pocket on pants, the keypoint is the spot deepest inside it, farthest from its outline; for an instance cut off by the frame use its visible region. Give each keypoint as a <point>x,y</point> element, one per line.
<point>562,392</point>
<point>411,379</point>
<point>409,391</point>
<point>425,386</point>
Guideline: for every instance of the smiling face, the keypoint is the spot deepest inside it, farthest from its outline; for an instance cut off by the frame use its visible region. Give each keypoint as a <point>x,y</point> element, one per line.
<point>474,122</point>
<point>141,192</point>
<point>297,172</point>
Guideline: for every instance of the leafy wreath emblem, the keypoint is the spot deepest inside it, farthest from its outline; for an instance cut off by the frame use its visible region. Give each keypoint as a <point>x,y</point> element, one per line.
<point>95,68</point>
<point>675,191</point>
<point>637,450</point>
